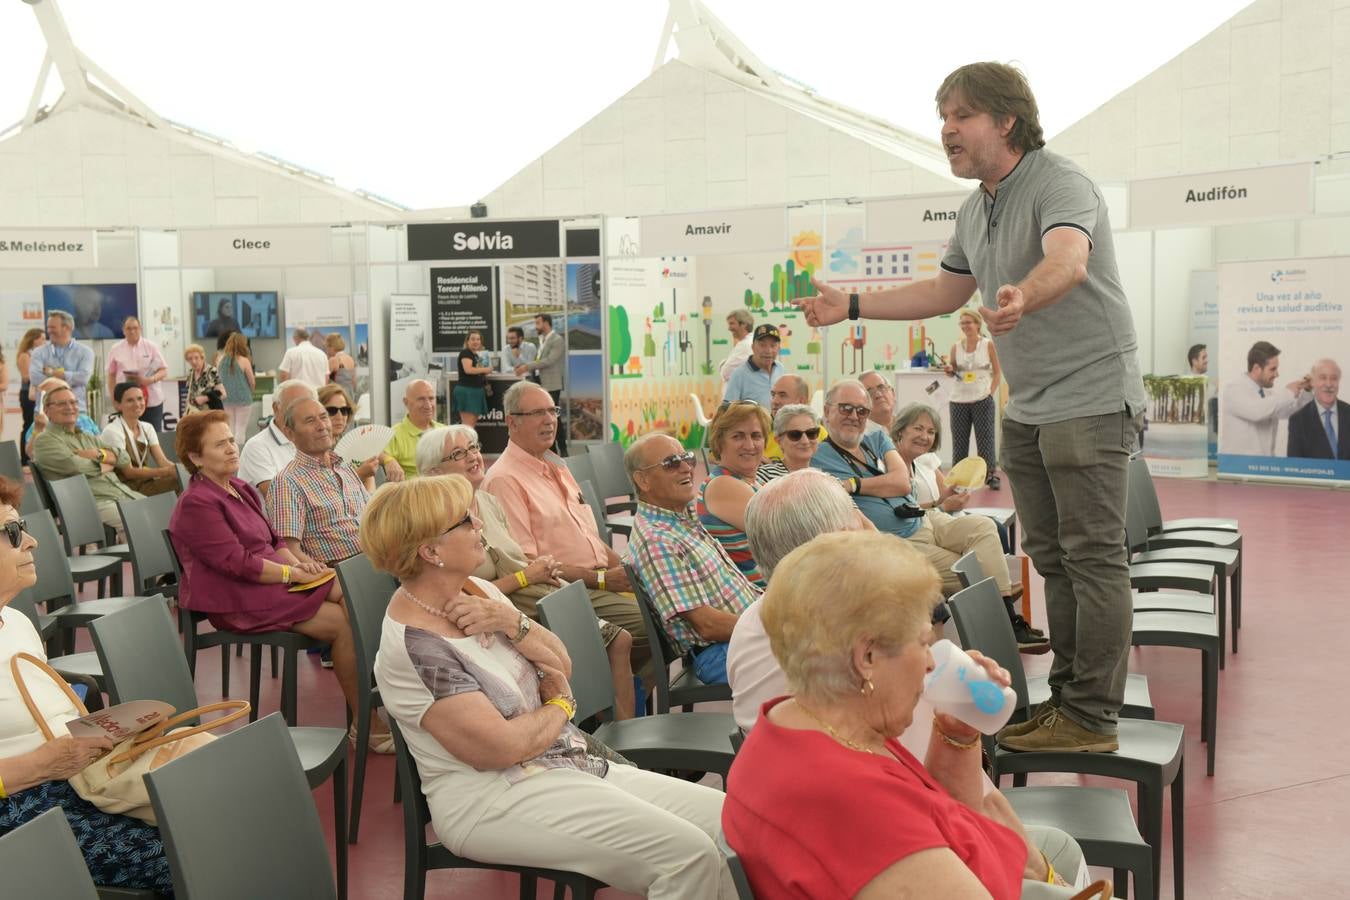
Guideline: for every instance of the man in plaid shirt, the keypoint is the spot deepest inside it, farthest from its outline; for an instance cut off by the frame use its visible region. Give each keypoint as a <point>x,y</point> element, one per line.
<point>696,588</point>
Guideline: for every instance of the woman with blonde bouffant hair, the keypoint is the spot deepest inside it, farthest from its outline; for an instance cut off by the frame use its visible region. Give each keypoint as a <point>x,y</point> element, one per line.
<point>848,616</point>
<point>481,695</point>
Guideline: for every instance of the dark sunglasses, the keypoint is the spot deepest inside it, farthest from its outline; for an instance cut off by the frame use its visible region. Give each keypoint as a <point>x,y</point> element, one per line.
<point>848,409</point>
<point>338,410</point>
<point>794,434</point>
<point>467,520</point>
<point>673,462</point>
<point>14,531</point>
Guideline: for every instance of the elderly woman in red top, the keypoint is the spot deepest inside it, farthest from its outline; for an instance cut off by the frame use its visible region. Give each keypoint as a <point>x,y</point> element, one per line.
<point>235,567</point>
<point>849,618</point>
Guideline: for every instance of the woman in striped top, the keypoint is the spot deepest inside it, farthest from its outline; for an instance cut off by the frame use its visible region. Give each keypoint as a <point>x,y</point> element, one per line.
<point>736,442</point>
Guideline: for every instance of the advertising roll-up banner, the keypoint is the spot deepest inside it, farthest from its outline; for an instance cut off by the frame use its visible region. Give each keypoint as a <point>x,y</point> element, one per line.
<point>47,248</point>
<point>715,231</point>
<point>927,218</point>
<point>462,300</point>
<point>221,247</point>
<point>409,349</point>
<point>484,239</point>
<point>1208,198</point>
<point>1283,345</point>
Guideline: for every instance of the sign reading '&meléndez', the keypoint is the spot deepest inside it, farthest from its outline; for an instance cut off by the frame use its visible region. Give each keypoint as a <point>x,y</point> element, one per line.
<point>484,239</point>
<point>27,249</point>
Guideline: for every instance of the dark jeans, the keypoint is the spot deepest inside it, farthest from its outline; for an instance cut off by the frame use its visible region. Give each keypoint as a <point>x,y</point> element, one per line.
<point>1068,483</point>
<point>560,442</point>
<point>155,416</point>
<point>27,407</point>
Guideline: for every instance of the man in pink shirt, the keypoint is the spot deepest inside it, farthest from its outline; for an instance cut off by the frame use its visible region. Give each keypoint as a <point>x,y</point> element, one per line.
<point>139,361</point>
<point>547,514</point>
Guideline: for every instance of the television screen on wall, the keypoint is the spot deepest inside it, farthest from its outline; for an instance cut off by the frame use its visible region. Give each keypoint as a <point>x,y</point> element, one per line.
<point>99,309</point>
<point>252,312</point>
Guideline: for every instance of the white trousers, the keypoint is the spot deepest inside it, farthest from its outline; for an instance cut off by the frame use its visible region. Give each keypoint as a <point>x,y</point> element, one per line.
<point>638,831</point>
<point>239,418</point>
<point>944,539</point>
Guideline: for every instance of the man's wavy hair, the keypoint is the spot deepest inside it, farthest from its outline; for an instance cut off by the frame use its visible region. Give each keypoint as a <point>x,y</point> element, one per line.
<point>1002,91</point>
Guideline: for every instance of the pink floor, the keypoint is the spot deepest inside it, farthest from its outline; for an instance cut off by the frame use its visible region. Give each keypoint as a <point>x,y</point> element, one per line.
<point>1272,823</point>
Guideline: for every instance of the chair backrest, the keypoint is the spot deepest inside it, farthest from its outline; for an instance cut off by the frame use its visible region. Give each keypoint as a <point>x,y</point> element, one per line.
<point>1136,531</point>
<point>611,478</point>
<point>42,861</point>
<point>1145,496</point>
<point>49,558</point>
<point>663,651</point>
<point>184,477</point>
<point>169,444</point>
<point>416,813</point>
<point>368,593</point>
<point>581,467</point>
<point>24,603</point>
<point>11,463</point>
<point>43,486</point>
<point>144,521</point>
<point>141,656</point>
<point>982,623</point>
<point>597,509</point>
<point>32,500</point>
<point>968,569</point>
<point>567,612</point>
<point>734,866</point>
<point>80,522</point>
<point>238,819</point>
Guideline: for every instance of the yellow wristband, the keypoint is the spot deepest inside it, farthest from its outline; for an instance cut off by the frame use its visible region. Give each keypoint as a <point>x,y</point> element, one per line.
<point>1049,869</point>
<point>600,579</point>
<point>285,574</point>
<point>521,579</point>
<point>563,704</point>
<point>3,792</point>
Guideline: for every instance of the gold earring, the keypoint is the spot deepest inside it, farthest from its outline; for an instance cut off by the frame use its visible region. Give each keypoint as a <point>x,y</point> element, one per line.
<point>867,688</point>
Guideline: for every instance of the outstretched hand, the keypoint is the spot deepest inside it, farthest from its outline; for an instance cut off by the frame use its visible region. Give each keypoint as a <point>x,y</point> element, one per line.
<point>1011,305</point>
<point>830,305</point>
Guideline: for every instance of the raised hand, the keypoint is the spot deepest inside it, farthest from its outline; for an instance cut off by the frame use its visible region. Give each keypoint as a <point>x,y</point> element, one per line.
<point>830,305</point>
<point>1011,305</point>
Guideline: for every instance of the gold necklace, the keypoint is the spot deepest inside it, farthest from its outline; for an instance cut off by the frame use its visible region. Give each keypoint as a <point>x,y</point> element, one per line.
<point>852,745</point>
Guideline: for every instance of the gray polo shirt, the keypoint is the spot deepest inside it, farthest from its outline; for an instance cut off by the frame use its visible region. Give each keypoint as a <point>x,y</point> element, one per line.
<point>1076,357</point>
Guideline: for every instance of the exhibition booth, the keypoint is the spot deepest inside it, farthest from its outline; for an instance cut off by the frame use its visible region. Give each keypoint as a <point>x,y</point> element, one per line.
<point>1224,259</point>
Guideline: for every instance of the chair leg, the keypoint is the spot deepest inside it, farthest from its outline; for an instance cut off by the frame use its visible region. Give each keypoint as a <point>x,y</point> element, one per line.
<point>225,669</point>
<point>1221,598</point>
<point>529,887</point>
<point>1237,606</point>
<point>362,724</point>
<point>1120,884</point>
<point>1150,826</point>
<point>340,822</point>
<point>1210,714</point>
<point>274,660</point>
<point>255,681</point>
<point>290,666</point>
<point>1178,833</point>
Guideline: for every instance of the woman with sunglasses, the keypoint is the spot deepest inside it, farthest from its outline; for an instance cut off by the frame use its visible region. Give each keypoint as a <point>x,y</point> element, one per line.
<point>736,444</point>
<point>119,851</point>
<point>481,695</point>
<point>455,450</point>
<point>798,430</point>
<point>238,570</point>
<point>338,404</point>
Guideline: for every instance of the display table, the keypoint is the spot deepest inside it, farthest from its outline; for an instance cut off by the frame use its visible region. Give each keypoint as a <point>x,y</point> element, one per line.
<point>932,387</point>
<point>491,428</point>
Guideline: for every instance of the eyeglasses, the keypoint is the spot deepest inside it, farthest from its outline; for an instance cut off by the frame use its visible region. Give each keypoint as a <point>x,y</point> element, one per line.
<point>673,462</point>
<point>848,409</point>
<point>338,411</point>
<point>467,520</point>
<point>794,434</point>
<point>551,411</point>
<point>879,390</point>
<point>461,452</point>
<point>14,530</point>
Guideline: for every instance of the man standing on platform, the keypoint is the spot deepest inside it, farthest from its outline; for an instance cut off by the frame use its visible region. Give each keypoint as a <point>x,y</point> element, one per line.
<point>1035,239</point>
<point>549,367</point>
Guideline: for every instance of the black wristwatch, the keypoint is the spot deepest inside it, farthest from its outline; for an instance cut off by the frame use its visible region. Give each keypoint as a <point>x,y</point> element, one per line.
<point>853,311</point>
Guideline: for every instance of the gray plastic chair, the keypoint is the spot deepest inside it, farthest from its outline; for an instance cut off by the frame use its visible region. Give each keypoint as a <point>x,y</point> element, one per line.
<point>738,876</point>
<point>1138,701</point>
<point>138,649</point>
<point>289,643</point>
<point>81,518</point>
<point>1100,820</point>
<point>11,463</point>
<point>612,478</point>
<point>238,819</point>
<point>419,856</point>
<point>80,523</point>
<point>32,499</point>
<point>144,521</point>
<point>1162,628</point>
<point>581,467</point>
<point>1151,754</point>
<point>368,593</point>
<point>597,512</point>
<point>1150,496</point>
<point>42,861</point>
<point>687,688</point>
<point>694,740</point>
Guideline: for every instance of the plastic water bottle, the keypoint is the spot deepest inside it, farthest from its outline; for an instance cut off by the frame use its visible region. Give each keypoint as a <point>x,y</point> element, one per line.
<point>960,687</point>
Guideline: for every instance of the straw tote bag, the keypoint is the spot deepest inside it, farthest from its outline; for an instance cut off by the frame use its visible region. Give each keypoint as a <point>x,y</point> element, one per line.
<point>115,783</point>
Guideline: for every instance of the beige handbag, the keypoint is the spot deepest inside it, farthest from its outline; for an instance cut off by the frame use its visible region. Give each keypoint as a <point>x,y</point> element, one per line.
<point>115,783</point>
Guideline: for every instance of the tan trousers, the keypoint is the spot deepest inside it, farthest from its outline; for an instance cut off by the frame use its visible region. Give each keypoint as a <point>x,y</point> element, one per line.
<point>944,539</point>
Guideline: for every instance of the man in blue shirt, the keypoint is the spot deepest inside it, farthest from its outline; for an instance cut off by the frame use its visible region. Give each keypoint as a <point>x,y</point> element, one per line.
<point>754,380</point>
<point>62,357</point>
